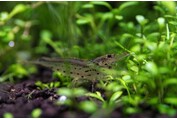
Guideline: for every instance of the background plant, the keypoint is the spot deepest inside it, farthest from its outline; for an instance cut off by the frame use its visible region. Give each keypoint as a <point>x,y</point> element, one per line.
<point>29,30</point>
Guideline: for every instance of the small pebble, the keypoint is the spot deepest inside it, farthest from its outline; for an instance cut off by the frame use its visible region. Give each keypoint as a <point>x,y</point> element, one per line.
<point>62,98</point>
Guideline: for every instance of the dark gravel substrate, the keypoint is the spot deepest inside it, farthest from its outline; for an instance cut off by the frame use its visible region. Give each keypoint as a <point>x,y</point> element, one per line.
<point>21,98</point>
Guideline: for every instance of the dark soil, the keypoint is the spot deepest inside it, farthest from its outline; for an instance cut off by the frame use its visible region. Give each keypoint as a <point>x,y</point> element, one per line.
<point>23,97</point>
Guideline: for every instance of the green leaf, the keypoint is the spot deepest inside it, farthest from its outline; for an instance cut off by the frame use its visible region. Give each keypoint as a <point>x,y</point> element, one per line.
<point>36,113</point>
<point>170,6</point>
<point>125,85</point>
<point>8,115</point>
<point>115,96</point>
<point>160,9</point>
<point>141,20</point>
<point>114,86</point>
<point>107,15</point>
<point>78,92</point>
<point>96,95</point>
<point>126,77</point>
<point>134,68</point>
<point>131,110</point>
<point>161,22</point>
<point>106,4</point>
<point>88,106</point>
<point>18,8</point>
<point>164,70</point>
<point>17,70</point>
<point>127,4</point>
<point>165,109</point>
<point>3,16</point>
<point>151,45</point>
<point>153,101</point>
<point>65,91</point>
<point>168,32</point>
<point>136,48</point>
<point>173,23</point>
<point>118,17</point>
<point>151,67</point>
<point>171,100</point>
<point>56,84</point>
<point>10,36</point>
<point>75,92</point>
<point>46,36</point>
<point>171,81</point>
<point>121,46</point>
<point>83,21</point>
<point>88,5</point>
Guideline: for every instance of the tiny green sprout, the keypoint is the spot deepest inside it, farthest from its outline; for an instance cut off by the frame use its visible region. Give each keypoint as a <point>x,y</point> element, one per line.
<point>36,113</point>
<point>50,85</point>
<point>17,9</point>
<point>83,21</point>
<point>111,102</point>
<point>118,17</point>
<point>54,84</point>
<point>131,110</point>
<point>8,115</point>
<point>3,16</point>
<point>74,92</point>
<point>65,91</point>
<point>161,22</point>
<point>96,95</point>
<point>141,20</point>
<point>123,82</point>
<point>88,5</point>
<point>15,70</point>
<point>135,100</point>
<point>46,35</point>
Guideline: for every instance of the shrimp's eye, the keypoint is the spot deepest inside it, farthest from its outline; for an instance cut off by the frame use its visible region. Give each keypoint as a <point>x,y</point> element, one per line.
<point>109,56</point>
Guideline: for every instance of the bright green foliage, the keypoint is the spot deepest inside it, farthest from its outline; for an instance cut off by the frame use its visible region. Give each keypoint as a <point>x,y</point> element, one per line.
<point>68,97</point>
<point>96,95</point>
<point>88,106</point>
<point>47,85</point>
<point>107,104</point>
<point>75,92</point>
<point>15,70</point>
<point>36,113</point>
<point>7,115</point>
<point>163,108</point>
<point>89,29</point>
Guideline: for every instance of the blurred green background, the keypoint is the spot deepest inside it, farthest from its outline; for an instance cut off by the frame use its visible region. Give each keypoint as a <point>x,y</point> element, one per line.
<point>75,29</point>
<point>30,30</point>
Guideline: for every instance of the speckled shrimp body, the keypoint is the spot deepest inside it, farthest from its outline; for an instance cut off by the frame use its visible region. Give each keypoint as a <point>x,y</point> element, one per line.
<point>80,69</point>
